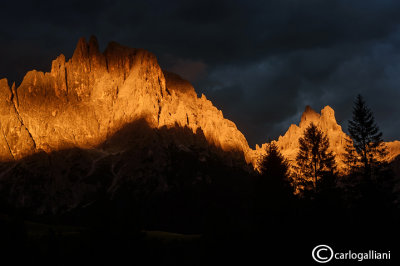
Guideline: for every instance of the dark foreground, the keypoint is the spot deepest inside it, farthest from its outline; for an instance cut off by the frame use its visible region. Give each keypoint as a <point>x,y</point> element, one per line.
<point>276,243</point>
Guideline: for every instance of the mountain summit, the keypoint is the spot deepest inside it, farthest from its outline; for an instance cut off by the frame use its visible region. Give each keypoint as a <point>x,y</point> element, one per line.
<point>326,121</point>
<point>105,124</point>
<point>83,101</point>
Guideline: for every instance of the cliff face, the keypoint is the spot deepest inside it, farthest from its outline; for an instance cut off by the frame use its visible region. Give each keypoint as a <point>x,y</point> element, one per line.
<point>83,101</point>
<point>184,108</point>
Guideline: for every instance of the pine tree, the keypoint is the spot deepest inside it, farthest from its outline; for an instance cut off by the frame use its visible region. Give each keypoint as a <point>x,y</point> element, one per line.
<point>274,170</point>
<point>273,164</point>
<point>313,159</point>
<point>366,151</point>
<point>366,158</point>
<point>273,189</point>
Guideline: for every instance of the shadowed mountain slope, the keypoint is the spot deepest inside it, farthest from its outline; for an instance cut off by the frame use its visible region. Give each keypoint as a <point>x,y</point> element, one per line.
<point>142,160</point>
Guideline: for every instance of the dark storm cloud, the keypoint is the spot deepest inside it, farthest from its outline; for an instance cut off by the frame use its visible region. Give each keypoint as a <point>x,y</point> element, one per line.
<point>261,62</point>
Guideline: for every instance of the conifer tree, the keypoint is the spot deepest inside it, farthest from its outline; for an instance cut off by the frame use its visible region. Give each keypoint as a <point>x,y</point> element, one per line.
<point>273,164</point>
<point>313,158</point>
<point>273,189</point>
<point>366,151</point>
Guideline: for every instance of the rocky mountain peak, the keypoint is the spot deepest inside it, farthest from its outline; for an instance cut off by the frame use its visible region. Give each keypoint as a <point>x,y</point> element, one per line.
<point>93,46</point>
<point>308,116</point>
<point>85,49</point>
<point>81,51</point>
<point>325,121</point>
<point>89,97</point>
<point>328,113</point>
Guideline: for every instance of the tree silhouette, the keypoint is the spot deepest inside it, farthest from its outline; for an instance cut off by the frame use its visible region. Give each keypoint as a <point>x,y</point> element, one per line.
<point>274,169</point>
<point>313,159</point>
<point>371,179</point>
<point>273,189</point>
<point>366,150</point>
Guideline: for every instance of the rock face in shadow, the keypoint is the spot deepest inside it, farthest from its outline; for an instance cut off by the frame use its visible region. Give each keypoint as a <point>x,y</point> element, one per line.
<point>83,101</point>
<point>139,159</point>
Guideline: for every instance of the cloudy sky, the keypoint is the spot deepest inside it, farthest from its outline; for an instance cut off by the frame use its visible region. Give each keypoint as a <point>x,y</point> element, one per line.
<point>261,62</point>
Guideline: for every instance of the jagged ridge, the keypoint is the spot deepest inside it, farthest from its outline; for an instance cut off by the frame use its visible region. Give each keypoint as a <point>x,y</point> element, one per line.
<point>86,99</point>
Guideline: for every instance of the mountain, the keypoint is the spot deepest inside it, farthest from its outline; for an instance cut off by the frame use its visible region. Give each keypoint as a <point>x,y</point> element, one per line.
<point>114,125</point>
<point>325,121</point>
<point>85,100</point>
<point>106,153</point>
<point>81,102</point>
<point>109,125</point>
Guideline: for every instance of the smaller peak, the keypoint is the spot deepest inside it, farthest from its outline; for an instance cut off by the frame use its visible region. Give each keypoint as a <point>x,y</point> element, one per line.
<point>328,113</point>
<point>93,39</point>
<point>4,82</point>
<point>81,49</point>
<point>309,115</point>
<point>327,109</point>
<point>292,129</point>
<point>308,109</point>
<point>61,57</point>
<point>93,45</point>
<point>82,41</point>
<point>57,63</point>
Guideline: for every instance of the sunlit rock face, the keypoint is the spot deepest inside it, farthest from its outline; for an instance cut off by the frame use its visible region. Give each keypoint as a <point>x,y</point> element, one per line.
<point>182,106</point>
<point>83,101</point>
<point>15,139</point>
<point>393,149</point>
<point>326,122</point>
